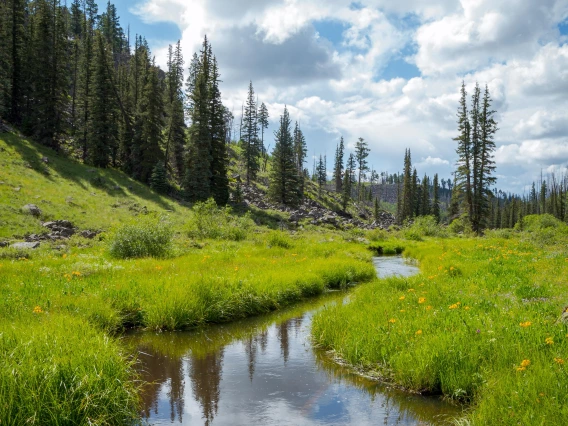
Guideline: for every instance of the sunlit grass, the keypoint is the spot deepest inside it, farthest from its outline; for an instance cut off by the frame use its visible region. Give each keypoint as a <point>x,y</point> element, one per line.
<point>465,327</point>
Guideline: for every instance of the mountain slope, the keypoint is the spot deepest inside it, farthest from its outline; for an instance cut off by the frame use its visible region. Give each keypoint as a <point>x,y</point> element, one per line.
<point>90,198</point>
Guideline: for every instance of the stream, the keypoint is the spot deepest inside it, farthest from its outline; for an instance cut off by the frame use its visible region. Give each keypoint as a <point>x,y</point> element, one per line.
<point>264,371</point>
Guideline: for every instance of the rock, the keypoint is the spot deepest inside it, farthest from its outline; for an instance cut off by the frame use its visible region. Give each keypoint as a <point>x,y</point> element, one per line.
<point>45,160</point>
<point>88,234</point>
<point>32,209</point>
<point>4,243</point>
<point>26,246</point>
<point>17,189</point>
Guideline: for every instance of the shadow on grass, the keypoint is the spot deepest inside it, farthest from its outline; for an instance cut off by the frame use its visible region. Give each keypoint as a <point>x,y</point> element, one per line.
<point>110,181</point>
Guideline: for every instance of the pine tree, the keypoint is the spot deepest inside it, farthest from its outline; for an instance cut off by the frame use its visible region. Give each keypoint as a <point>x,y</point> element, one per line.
<point>406,208</point>
<point>321,172</point>
<point>436,199</point>
<point>49,74</point>
<point>338,165</point>
<point>485,164</point>
<point>263,122</point>
<point>159,179</point>
<point>361,153</point>
<point>85,80</point>
<point>300,152</point>
<point>198,177</point>
<point>425,197</point>
<point>376,210</point>
<point>250,136</point>
<point>348,180</point>
<point>149,126</point>
<point>415,191</point>
<point>175,130</point>
<point>284,179</point>
<point>103,111</point>
<point>463,176</point>
<point>219,161</point>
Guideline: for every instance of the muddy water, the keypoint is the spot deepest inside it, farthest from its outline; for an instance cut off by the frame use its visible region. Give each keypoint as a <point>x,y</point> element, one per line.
<point>264,371</point>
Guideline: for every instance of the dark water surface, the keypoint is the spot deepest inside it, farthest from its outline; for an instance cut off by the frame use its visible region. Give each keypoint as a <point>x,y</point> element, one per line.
<point>264,371</point>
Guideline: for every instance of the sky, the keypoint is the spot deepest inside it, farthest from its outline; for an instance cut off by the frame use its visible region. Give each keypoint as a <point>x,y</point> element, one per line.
<point>387,71</point>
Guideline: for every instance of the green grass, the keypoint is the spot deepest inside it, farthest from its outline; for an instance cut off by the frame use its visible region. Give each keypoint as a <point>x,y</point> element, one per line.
<point>463,327</point>
<point>64,189</point>
<point>61,308</point>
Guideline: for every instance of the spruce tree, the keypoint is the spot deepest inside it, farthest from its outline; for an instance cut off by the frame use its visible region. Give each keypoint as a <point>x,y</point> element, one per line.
<point>376,210</point>
<point>463,176</point>
<point>250,136</point>
<point>159,179</point>
<point>436,199</point>
<point>338,165</point>
<point>149,126</point>
<point>406,208</point>
<point>300,152</point>
<point>175,130</point>
<point>263,122</point>
<point>321,172</point>
<point>361,153</point>
<point>198,174</point>
<point>284,179</point>
<point>219,160</point>
<point>425,197</point>
<point>485,164</point>
<point>348,180</point>
<point>103,116</point>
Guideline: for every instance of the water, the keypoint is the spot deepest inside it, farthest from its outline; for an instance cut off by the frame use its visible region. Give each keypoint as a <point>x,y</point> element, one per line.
<point>264,371</point>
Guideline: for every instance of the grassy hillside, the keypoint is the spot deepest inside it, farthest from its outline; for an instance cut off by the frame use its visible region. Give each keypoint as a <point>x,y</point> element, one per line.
<point>59,306</point>
<point>90,198</point>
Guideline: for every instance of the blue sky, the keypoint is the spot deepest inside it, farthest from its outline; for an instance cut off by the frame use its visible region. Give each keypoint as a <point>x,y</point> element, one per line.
<point>386,71</point>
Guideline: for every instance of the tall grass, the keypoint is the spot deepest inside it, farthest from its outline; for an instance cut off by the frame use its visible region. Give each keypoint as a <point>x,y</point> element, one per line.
<point>60,370</point>
<point>479,325</point>
<point>147,236</point>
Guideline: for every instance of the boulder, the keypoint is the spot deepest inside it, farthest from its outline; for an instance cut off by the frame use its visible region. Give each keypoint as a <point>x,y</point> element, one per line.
<point>88,234</point>
<point>4,243</point>
<point>26,246</point>
<point>32,209</point>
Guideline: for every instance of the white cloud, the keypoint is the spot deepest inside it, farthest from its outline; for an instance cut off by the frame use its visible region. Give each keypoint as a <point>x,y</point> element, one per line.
<point>513,46</point>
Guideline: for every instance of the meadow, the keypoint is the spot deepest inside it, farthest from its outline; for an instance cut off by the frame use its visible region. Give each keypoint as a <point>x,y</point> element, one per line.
<point>60,312</point>
<point>481,325</point>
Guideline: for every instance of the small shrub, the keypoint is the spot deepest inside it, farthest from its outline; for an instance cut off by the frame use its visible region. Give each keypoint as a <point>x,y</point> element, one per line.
<point>149,236</point>
<point>159,179</point>
<point>461,225</point>
<point>377,235</point>
<point>424,226</point>
<point>211,221</point>
<point>537,223</point>
<point>279,239</point>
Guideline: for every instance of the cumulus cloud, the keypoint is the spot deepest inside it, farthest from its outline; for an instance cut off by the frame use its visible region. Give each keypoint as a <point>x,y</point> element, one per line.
<point>335,88</point>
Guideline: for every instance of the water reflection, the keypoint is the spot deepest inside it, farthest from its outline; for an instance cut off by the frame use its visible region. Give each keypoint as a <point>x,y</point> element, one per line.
<point>265,371</point>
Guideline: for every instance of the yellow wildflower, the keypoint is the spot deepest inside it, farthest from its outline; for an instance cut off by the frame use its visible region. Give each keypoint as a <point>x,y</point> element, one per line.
<point>76,273</point>
<point>421,300</point>
<point>525,324</point>
<point>467,308</point>
<point>521,368</point>
<point>392,321</point>
<point>451,268</point>
<point>64,255</point>
<point>236,268</point>
<point>401,298</point>
<point>525,363</point>
<point>558,360</point>
<point>549,341</point>
<point>419,332</point>
<point>159,268</point>
<point>428,307</point>
<point>454,306</point>
<point>38,310</point>
<point>410,290</point>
